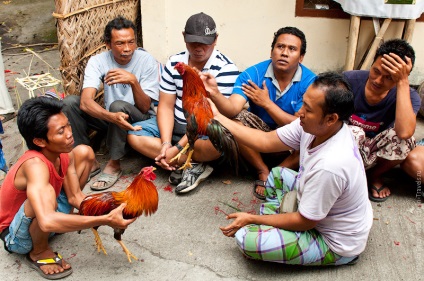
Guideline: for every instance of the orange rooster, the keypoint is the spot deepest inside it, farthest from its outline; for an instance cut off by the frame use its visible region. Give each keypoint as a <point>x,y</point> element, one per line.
<point>141,197</point>
<point>199,118</point>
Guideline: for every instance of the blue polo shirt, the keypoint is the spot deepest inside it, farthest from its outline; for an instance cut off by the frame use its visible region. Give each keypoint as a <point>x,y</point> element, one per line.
<point>290,99</point>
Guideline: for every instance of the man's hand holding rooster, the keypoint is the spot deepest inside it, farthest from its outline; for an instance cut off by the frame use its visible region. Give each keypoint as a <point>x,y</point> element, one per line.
<point>116,219</point>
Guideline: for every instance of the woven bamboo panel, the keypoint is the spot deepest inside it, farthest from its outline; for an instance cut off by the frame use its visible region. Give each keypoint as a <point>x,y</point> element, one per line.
<point>80,27</point>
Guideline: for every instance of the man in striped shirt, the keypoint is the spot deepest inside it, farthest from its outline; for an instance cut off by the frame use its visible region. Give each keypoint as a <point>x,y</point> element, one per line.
<point>158,134</point>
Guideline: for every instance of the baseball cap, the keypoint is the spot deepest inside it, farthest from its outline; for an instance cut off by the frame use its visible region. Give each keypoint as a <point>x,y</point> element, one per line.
<point>200,28</point>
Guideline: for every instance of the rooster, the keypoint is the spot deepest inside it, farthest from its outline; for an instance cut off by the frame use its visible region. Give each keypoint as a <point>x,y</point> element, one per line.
<point>141,197</point>
<point>199,118</point>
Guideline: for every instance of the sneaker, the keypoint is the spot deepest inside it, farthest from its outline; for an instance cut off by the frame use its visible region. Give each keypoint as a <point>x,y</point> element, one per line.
<point>175,177</point>
<point>193,176</point>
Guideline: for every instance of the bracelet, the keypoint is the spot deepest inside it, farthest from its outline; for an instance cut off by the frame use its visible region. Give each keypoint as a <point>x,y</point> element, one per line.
<point>177,145</point>
<point>166,142</point>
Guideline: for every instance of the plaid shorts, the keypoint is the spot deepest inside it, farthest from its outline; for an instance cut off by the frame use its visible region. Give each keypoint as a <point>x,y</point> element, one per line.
<point>251,120</point>
<point>386,145</point>
<point>267,243</point>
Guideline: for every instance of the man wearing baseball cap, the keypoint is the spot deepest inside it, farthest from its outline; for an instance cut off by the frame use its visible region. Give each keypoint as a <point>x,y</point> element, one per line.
<point>200,28</point>
<point>163,142</point>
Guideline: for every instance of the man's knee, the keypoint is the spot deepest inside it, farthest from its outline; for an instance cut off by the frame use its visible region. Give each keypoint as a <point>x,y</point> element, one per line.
<point>118,106</point>
<point>147,141</point>
<point>133,139</point>
<point>83,151</point>
<point>71,101</point>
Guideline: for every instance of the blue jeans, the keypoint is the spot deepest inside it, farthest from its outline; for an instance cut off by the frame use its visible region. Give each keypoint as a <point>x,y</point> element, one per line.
<point>150,129</point>
<point>19,239</point>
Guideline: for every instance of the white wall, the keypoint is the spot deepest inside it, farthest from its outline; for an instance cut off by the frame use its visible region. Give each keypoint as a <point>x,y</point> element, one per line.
<point>246,29</point>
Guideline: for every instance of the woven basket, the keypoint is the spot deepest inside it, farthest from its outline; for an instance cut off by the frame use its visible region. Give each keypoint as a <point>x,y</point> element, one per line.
<point>80,27</point>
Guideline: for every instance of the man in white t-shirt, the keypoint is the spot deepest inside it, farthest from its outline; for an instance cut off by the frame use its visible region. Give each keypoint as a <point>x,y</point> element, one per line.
<point>334,216</point>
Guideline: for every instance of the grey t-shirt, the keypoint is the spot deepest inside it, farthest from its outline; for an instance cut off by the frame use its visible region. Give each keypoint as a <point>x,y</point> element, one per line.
<point>142,65</point>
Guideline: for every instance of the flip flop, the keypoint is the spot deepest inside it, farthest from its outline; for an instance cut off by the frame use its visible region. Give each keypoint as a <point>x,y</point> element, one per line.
<point>377,199</point>
<point>57,259</point>
<point>109,179</point>
<point>93,173</point>
<point>256,194</point>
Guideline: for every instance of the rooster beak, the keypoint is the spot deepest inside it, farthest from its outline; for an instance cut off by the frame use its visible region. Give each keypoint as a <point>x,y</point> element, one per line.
<point>153,168</point>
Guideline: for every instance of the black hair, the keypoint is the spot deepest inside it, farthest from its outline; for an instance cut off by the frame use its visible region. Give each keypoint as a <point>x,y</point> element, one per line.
<point>294,31</point>
<point>117,23</point>
<point>397,46</point>
<point>33,117</point>
<point>338,95</point>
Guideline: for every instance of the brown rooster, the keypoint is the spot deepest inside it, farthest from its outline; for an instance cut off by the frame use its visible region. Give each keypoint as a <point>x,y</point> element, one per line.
<point>141,197</point>
<point>199,118</point>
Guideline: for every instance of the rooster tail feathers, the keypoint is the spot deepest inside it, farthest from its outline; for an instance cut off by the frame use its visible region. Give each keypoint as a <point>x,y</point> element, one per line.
<point>224,142</point>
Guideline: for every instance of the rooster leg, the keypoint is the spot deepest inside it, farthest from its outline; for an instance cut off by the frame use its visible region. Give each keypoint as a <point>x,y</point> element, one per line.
<point>127,252</point>
<point>187,163</point>
<point>99,243</point>
<point>177,157</point>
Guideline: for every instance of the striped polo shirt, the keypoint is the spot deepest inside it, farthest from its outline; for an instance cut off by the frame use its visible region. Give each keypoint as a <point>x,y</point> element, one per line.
<point>220,66</point>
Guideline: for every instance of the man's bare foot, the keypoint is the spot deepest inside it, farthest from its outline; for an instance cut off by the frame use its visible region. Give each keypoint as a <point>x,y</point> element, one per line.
<point>260,184</point>
<point>379,192</point>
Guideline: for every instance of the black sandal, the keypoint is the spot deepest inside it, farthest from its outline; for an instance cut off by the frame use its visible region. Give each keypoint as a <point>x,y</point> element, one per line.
<point>256,194</point>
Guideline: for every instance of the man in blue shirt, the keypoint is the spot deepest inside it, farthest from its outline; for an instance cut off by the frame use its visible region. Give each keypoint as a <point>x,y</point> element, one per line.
<point>274,90</point>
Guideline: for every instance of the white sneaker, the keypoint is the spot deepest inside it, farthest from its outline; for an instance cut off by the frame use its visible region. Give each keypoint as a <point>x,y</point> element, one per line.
<point>193,176</point>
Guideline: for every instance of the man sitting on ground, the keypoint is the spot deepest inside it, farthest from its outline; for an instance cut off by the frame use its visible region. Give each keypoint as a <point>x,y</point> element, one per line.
<point>384,119</point>
<point>334,216</point>
<point>162,138</point>
<point>131,84</point>
<point>274,90</point>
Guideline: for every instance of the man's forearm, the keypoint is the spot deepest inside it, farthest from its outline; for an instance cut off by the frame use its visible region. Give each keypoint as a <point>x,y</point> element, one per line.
<point>224,105</point>
<point>141,100</point>
<point>405,120</point>
<point>253,138</point>
<point>92,108</point>
<point>289,221</point>
<point>279,116</point>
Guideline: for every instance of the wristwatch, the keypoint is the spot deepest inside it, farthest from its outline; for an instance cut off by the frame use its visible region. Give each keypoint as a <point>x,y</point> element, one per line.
<point>177,145</point>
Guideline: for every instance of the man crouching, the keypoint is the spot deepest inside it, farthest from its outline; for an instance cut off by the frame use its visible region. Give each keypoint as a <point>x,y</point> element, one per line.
<point>43,186</point>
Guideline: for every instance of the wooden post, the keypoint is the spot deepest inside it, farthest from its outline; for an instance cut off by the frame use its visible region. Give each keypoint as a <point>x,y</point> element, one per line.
<point>408,30</point>
<point>352,44</point>
<point>375,44</point>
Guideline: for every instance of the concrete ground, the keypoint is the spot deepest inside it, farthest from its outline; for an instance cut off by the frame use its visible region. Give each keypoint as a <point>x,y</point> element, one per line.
<point>182,240</point>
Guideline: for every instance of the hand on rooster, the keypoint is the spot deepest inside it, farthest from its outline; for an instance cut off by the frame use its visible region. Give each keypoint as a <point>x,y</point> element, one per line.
<point>199,118</point>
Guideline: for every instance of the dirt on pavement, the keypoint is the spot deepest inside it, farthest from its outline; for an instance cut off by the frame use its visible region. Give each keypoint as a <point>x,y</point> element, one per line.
<point>27,22</point>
